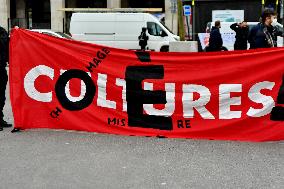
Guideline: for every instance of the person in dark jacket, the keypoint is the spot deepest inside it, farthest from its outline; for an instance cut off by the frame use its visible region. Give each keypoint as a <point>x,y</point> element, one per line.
<point>143,39</point>
<point>264,34</point>
<point>215,40</point>
<point>242,32</point>
<point>275,32</point>
<point>4,54</point>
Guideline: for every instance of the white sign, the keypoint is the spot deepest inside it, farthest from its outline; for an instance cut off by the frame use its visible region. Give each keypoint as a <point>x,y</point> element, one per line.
<point>228,15</point>
<point>187,10</point>
<point>228,40</point>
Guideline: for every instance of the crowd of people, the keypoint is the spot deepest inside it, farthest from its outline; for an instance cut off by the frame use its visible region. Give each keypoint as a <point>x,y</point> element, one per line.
<point>263,35</point>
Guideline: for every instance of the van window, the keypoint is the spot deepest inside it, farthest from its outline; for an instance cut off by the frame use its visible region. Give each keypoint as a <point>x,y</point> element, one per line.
<point>154,29</point>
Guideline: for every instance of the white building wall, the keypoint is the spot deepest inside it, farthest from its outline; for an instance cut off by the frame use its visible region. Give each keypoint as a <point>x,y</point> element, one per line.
<point>113,4</point>
<point>171,20</point>
<point>57,16</point>
<point>4,13</point>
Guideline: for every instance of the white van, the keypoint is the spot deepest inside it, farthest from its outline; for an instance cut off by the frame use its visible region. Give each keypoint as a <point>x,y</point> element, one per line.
<point>120,30</point>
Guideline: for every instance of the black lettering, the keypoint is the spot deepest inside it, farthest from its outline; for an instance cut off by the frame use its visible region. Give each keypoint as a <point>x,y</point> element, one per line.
<point>123,122</point>
<point>105,50</point>
<point>136,97</point>
<point>116,122</point>
<point>187,124</point>
<point>56,113</point>
<point>180,124</point>
<point>91,66</point>
<point>111,121</point>
<point>96,61</point>
<point>61,95</point>
<point>101,55</point>
<point>277,113</point>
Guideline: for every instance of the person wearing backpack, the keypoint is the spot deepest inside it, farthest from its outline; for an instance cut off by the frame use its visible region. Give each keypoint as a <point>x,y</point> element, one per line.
<point>143,39</point>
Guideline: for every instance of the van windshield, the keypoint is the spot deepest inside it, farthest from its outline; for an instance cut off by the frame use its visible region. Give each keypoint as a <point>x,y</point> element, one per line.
<point>166,27</point>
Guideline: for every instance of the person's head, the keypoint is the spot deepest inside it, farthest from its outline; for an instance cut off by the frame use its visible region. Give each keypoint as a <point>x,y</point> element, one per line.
<point>218,24</point>
<point>244,24</point>
<point>144,29</point>
<point>268,17</point>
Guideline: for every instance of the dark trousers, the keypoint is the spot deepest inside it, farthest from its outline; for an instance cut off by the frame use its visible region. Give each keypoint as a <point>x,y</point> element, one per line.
<point>238,46</point>
<point>3,83</point>
<point>143,48</point>
<point>215,49</point>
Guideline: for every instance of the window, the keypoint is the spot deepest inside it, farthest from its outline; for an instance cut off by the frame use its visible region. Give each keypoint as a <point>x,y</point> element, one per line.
<point>91,4</point>
<point>154,29</point>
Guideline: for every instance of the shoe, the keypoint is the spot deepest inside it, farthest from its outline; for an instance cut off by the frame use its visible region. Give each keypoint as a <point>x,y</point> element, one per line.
<point>15,130</point>
<point>4,124</point>
<point>1,129</point>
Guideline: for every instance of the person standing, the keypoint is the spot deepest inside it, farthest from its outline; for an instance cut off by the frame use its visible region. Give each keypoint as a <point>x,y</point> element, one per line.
<point>264,34</point>
<point>4,54</point>
<point>242,32</point>
<point>143,39</point>
<point>215,40</point>
<point>276,31</point>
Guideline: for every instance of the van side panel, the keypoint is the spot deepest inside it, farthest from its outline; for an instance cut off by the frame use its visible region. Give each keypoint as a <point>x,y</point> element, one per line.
<point>128,28</point>
<point>119,30</point>
<point>93,28</point>
<point>127,34</point>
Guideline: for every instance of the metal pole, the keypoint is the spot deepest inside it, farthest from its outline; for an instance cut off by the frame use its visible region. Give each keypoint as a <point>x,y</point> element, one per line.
<point>262,5</point>
<point>63,25</point>
<point>173,11</point>
<point>276,7</point>
<point>187,24</point>
<point>8,22</point>
<point>193,20</point>
<point>173,22</point>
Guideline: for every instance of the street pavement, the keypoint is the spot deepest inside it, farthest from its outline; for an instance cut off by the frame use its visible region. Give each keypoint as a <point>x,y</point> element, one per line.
<point>60,159</point>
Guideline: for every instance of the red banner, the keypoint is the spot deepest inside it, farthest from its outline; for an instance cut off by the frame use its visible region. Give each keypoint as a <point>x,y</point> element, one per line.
<point>65,84</point>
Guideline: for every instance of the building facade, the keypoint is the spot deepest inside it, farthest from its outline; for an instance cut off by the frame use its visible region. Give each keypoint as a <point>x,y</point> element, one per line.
<point>46,14</point>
